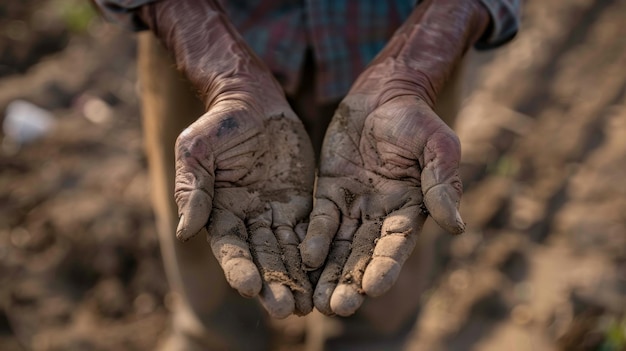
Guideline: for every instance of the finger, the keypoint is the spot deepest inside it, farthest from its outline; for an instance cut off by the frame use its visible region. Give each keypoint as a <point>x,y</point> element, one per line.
<point>323,224</point>
<point>398,239</point>
<point>301,286</point>
<point>339,252</point>
<point>285,215</point>
<point>227,236</point>
<point>277,300</point>
<point>193,188</point>
<point>330,276</point>
<point>441,184</point>
<point>300,230</point>
<point>348,296</point>
<point>194,215</point>
<point>314,276</point>
<point>442,202</point>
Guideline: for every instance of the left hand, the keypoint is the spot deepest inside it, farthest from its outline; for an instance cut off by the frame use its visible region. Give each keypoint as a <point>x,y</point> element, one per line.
<point>387,162</point>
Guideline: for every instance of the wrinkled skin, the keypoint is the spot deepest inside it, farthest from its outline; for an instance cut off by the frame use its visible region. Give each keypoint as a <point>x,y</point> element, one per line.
<point>245,168</point>
<point>387,162</point>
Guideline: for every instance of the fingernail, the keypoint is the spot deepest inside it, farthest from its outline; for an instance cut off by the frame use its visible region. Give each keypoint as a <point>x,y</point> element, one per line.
<point>180,230</point>
<point>443,209</point>
<point>459,222</point>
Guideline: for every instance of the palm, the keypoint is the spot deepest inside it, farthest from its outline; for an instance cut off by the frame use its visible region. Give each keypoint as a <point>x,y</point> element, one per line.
<point>252,175</point>
<point>376,163</point>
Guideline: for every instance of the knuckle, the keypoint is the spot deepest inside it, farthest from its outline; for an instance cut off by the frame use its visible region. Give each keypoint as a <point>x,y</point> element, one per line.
<point>447,137</point>
<point>191,146</point>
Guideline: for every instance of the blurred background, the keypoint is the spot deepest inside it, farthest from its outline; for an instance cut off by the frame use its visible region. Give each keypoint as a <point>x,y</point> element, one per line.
<point>541,267</point>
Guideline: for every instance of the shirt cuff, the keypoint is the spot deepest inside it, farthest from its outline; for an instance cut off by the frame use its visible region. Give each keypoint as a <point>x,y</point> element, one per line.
<point>122,12</point>
<point>505,20</point>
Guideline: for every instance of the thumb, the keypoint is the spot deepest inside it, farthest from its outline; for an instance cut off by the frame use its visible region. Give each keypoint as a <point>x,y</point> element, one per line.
<point>194,215</point>
<point>441,184</point>
<point>194,191</point>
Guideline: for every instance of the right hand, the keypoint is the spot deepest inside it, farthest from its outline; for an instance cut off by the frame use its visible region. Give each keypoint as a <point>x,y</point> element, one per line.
<point>388,161</point>
<point>244,170</point>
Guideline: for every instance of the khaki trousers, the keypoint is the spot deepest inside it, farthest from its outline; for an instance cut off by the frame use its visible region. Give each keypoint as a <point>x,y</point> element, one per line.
<point>208,314</point>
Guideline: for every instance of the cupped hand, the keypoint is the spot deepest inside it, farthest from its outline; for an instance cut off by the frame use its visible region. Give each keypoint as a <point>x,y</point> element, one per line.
<point>244,170</point>
<point>388,161</point>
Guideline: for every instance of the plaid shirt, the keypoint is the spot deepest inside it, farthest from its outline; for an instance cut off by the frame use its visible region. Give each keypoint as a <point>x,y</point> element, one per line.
<point>344,35</point>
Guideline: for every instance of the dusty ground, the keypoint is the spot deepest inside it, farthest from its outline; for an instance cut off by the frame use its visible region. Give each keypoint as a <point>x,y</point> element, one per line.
<point>542,266</point>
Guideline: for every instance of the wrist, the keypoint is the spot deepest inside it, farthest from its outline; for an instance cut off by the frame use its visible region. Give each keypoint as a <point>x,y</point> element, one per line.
<point>254,87</point>
<point>423,53</point>
<point>207,48</point>
<point>479,22</point>
<point>259,93</point>
<point>393,78</point>
<point>458,23</point>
